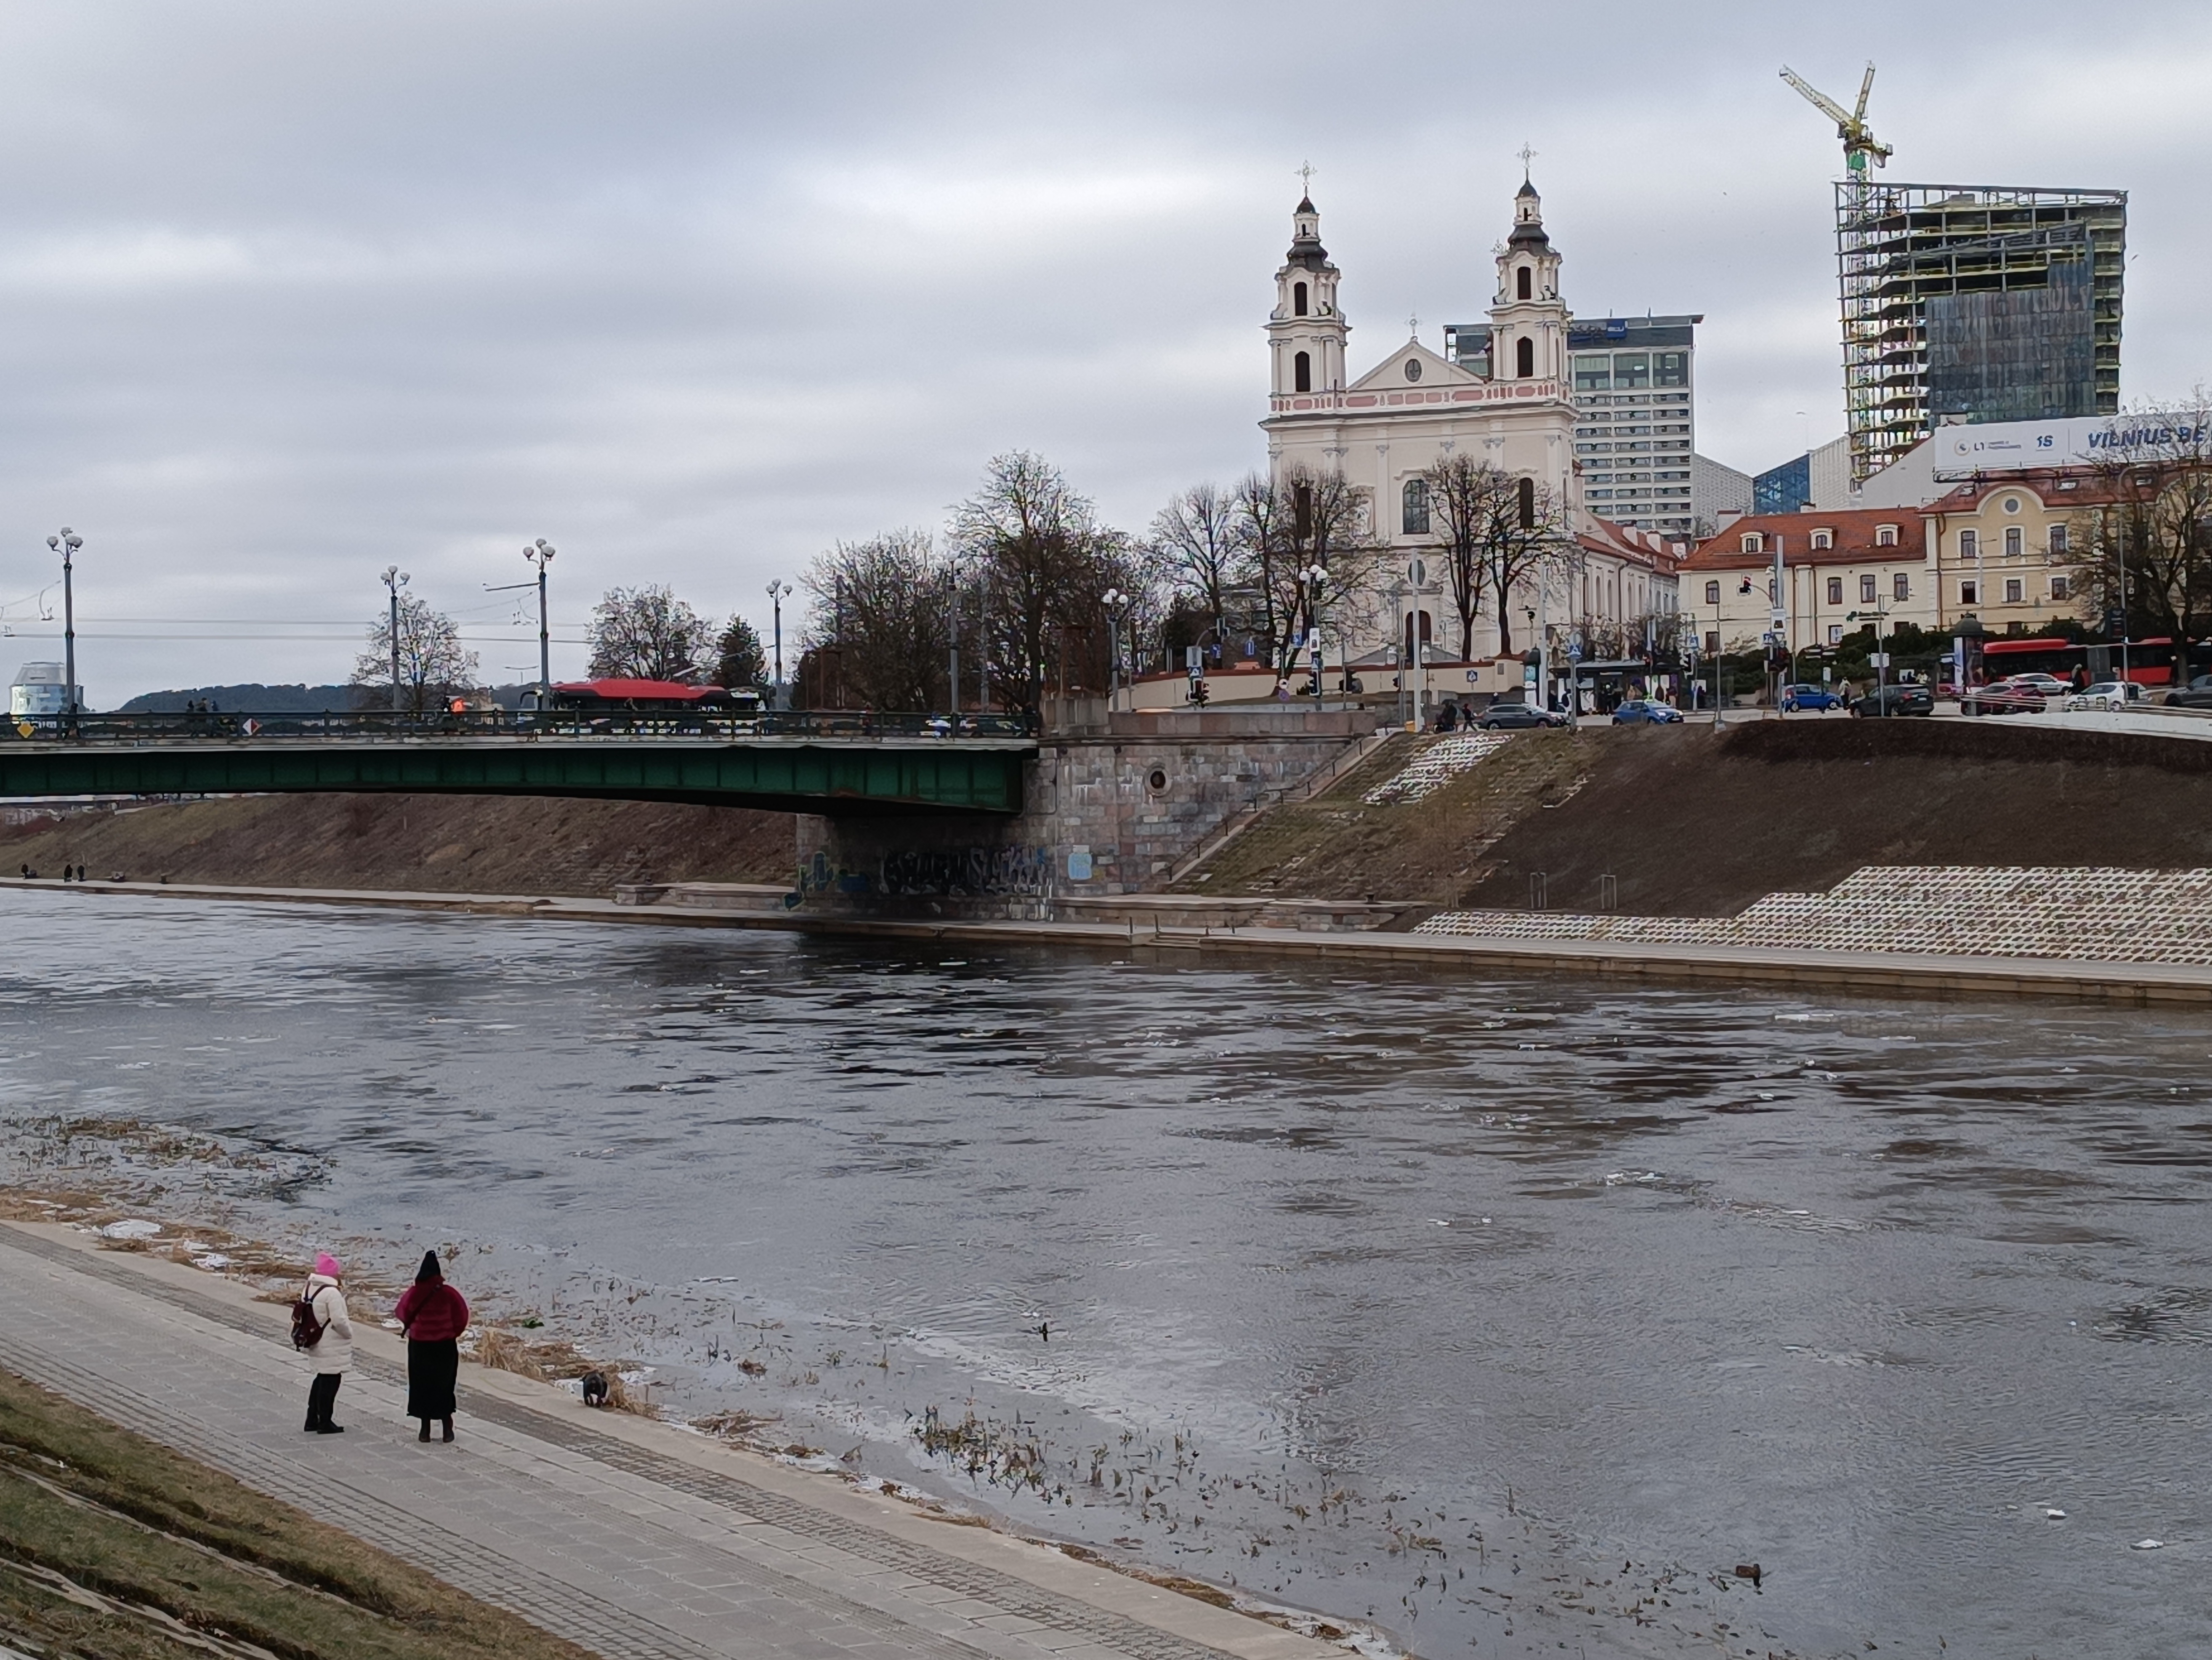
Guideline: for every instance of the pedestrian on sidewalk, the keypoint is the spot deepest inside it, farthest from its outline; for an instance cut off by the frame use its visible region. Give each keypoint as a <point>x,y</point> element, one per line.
<point>432,1317</point>
<point>332,1352</point>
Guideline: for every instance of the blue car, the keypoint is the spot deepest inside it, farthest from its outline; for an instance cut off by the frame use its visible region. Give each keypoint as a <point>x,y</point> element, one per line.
<point>1808,697</point>
<point>1642,712</point>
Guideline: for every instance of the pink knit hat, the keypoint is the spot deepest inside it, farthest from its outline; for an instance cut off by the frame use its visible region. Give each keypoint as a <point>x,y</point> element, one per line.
<point>327,1265</point>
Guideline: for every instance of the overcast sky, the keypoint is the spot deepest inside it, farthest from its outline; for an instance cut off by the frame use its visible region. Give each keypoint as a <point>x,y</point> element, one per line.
<point>290,292</point>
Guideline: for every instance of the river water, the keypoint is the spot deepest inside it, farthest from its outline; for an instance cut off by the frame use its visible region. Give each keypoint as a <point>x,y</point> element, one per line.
<point>1409,1298</point>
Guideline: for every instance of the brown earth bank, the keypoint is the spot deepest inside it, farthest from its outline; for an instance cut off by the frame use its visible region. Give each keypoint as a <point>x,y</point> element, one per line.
<point>442,843</point>
<point>1689,823</point>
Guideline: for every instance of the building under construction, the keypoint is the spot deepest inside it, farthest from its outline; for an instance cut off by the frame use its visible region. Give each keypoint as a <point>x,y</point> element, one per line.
<point>1978,302</point>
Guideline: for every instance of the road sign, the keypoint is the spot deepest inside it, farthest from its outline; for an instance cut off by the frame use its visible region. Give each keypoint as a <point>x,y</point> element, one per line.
<point>1879,659</point>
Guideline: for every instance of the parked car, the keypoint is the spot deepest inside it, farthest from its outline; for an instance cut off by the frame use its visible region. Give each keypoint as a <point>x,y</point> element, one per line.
<point>1809,697</point>
<point>2108,694</point>
<point>1643,712</point>
<point>2197,695</point>
<point>1517,715</point>
<point>1896,700</point>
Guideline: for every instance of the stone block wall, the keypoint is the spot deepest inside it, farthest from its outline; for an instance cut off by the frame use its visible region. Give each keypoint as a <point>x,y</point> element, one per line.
<point>1106,813</point>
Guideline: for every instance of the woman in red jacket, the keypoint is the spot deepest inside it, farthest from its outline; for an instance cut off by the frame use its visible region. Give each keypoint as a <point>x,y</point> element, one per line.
<point>432,1317</point>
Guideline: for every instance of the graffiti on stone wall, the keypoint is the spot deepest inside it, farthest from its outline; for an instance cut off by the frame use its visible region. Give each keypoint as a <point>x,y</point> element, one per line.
<point>937,873</point>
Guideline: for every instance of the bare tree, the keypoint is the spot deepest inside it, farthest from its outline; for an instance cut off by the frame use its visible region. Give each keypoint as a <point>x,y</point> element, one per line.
<point>1263,527</point>
<point>432,665</point>
<point>2143,547</point>
<point>647,634</point>
<point>1524,534</point>
<point>882,616</point>
<point>1466,499</point>
<point>1036,543</point>
<point>1200,541</point>
<point>738,659</point>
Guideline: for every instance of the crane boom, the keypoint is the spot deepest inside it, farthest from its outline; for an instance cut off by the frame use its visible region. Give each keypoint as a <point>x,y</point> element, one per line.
<point>1861,148</point>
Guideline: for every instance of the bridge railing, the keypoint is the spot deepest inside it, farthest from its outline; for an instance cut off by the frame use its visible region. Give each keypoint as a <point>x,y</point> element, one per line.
<point>358,726</point>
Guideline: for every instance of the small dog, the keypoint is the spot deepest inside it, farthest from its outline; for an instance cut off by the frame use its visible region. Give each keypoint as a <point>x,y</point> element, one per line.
<point>595,1389</point>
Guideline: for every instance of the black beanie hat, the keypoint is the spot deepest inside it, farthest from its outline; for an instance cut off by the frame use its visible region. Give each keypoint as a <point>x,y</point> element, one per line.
<point>430,1270</point>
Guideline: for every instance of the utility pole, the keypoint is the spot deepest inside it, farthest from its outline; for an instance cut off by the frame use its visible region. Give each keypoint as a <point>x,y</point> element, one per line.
<point>395,579</point>
<point>66,544</point>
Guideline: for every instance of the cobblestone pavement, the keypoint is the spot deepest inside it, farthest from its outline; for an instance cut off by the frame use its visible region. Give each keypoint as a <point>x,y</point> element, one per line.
<point>634,1549</point>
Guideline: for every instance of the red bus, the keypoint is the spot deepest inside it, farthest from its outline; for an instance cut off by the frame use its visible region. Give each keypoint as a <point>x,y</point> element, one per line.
<point>2148,661</point>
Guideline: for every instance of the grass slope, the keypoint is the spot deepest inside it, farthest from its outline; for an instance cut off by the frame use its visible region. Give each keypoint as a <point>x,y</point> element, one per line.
<point>113,1547</point>
<point>444,844</point>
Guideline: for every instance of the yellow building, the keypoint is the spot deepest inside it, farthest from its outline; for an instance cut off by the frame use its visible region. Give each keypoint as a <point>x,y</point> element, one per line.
<point>2001,549</point>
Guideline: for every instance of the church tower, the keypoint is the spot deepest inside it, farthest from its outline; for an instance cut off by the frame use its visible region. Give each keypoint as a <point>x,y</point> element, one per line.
<point>1527,320</point>
<point>1306,332</point>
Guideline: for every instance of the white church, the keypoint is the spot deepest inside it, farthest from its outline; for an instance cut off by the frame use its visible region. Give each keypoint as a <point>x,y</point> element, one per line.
<point>1513,410</point>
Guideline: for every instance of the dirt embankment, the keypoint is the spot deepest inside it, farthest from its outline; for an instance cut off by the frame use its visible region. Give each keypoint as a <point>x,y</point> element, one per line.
<point>1690,825</point>
<point>443,843</point>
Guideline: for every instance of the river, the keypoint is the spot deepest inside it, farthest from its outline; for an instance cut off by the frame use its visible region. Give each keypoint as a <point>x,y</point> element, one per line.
<point>1396,1297</point>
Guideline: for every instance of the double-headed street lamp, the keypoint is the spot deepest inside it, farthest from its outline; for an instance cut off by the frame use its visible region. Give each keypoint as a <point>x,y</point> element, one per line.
<point>395,579</point>
<point>1117,604</point>
<point>1313,576</point>
<point>66,544</point>
<point>540,554</point>
<point>778,591</point>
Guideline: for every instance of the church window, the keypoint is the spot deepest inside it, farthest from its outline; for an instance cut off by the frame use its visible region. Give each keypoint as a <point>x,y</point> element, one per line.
<point>1412,368</point>
<point>1526,288</point>
<point>1302,372</point>
<point>1524,357</point>
<point>1302,509</point>
<point>1525,489</point>
<point>1413,515</point>
<point>1298,300</point>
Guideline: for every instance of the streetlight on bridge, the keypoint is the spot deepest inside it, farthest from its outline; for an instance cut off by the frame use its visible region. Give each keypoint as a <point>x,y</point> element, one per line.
<point>1115,603</point>
<point>66,544</point>
<point>540,554</point>
<point>395,579</point>
<point>778,591</point>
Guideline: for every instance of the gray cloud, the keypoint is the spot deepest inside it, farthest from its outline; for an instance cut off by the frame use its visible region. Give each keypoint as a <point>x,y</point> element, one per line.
<point>291,292</point>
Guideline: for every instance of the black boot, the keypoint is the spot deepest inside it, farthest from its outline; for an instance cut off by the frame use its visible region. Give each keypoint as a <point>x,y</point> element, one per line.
<point>449,1429</point>
<point>425,1430</point>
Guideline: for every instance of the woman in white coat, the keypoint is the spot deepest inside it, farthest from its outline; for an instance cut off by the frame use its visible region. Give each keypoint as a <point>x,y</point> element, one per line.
<point>332,1352</point>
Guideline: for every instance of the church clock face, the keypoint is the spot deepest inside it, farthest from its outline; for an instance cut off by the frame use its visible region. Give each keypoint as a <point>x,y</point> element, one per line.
<point>1412,368</point>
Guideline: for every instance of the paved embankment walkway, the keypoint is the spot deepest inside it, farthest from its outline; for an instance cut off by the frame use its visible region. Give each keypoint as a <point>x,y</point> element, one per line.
<point>637,1540</point>
<point>1871,972</point>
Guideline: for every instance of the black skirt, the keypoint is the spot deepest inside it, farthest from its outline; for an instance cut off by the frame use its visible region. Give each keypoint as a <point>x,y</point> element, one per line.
<point>431,1369</point>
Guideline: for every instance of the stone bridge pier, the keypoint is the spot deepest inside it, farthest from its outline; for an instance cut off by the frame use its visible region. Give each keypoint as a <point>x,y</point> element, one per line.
<point>1118,804</point>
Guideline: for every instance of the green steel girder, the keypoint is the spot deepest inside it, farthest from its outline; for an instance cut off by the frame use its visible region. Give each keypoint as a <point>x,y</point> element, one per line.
<point>839,777</point>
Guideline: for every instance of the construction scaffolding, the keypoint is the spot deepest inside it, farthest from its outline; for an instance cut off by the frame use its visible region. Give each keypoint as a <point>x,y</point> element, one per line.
<point>1982,302</point>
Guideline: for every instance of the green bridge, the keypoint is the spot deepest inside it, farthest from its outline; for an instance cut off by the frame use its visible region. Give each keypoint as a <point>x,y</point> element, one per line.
<point>818,771</point>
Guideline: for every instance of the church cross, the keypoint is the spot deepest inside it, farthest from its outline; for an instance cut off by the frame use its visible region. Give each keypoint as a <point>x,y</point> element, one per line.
<point>1414,326</point>
<point>1528,155</point>
<point>1306,174</point>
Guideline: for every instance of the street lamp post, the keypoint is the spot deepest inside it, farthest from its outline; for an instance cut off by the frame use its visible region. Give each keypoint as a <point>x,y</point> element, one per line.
<point>776,592</point>
<point>1115,603</point>
<point>540,554</point>
<point>395,579</point>
<point>66,544</point>
<point>1314,576</point>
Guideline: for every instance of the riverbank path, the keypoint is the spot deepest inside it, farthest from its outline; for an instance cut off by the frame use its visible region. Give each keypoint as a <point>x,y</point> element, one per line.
<point>634,1539</point>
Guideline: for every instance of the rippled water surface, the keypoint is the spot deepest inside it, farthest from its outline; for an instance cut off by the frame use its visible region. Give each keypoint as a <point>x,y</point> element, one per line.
<point>1854,1290</point>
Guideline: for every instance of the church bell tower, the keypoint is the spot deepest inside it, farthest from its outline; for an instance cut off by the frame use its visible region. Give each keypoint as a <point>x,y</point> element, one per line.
<point>1527,319</point>
<point>1306,332</point>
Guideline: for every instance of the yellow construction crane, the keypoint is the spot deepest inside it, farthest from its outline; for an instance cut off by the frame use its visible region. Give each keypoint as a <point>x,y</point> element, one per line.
<point>1859,145</point>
